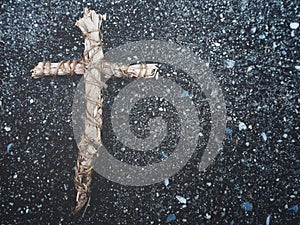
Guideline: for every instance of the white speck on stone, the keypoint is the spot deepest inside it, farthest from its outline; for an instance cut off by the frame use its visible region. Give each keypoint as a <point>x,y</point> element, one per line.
<point>294,25</point>
<point>229,63</point>
<point>181,199</point>
<point>253,30</point>
<point>293,33</point>
<point>250,68</point>
<point>15,176</point>
<point>207,216</point>
<point>183,206</point>
<point>284,135</point>
<point>166,182</point>
<point>208,184</point>
<point>242,126</point>
<point>7,128</point>
<point>31,101</point>
<point>264,136</point>
<point>297,67</point>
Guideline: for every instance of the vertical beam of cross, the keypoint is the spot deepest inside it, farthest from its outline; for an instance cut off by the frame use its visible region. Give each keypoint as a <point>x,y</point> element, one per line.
<point>93,66</point>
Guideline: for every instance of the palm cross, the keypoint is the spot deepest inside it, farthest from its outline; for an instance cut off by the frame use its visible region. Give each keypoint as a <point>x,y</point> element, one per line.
<point>93,67</point>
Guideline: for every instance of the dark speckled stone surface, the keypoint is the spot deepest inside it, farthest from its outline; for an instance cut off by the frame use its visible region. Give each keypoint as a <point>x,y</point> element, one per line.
<point>252,47</point>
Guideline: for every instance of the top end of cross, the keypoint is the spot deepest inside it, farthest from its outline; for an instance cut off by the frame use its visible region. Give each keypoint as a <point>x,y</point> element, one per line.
<point>90,25</point>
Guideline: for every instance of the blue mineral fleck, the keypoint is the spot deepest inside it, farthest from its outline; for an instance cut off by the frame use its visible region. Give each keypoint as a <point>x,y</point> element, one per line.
<point>228,131</point>
<point>261,37</point>
<point>185,94</point>
<point>294,208</point>
<point>268,219</point>
<point>283,52</point>
<point>164,154</point>
<point>229,63</point>
<point>170,218</point>
<point>264,136</point>
<point>8,148</point>
<point>247,206</point>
